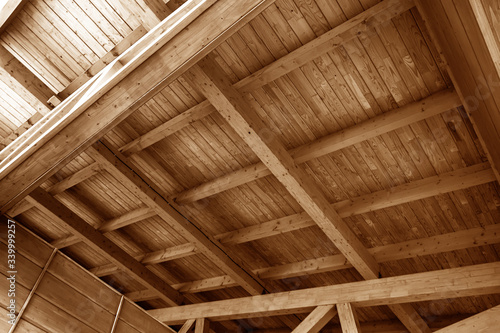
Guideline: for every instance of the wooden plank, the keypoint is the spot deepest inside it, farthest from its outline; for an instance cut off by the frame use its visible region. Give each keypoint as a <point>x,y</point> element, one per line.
<point>316,320</point>
<point>348,318</point>
<point>334,38</point>
<point>98,242</point>
<point>449,283</point>
<point>202,326</point>
<point>457,33</point>
<point>116,51</point>
<point>8,11</point>
<point>217,88</point>
<point>161,66</point>
<point>32,292</point>
<point>486,321</point>
<point>406,115</point>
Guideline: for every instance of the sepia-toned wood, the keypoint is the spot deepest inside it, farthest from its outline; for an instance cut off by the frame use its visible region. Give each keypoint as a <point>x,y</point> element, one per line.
<point>202,326</point>
<point>96,240</point>
<point>458,35</point>
<point>486,321</point>
<point>98,124</point>
<point>348,318</point>
<point>317,319</point>
<point>392,120</point>
<point>455,282</point>
<point>230,104</point>
<point>187,326</point>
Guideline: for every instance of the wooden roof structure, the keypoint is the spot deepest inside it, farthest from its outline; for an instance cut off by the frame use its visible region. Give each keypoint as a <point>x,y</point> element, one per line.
<point>250,166</point>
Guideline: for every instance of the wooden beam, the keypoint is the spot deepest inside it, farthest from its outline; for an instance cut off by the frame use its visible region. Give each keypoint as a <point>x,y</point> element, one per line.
<point>230,104</point>
<point>452,181</point>
<point>129,218</point>
<point>93,238</point>
<point>187,326</point>
<point>155,61</point>
<point>456,30</point>
<point>9,11</point>
<point>348,318</point>
<point>316,320</point>
<point>474,280</point>
<point>368,19</point>
<point>151,258</point>
<point>410,249</point>
<point>389,121</point>
<point>486,321</point>
<point>202,326</point>
<point>217,88</point>
<point>139,184</point>
<point>68,182</point>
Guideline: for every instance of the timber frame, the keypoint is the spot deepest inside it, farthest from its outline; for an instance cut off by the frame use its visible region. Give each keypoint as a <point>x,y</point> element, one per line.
<point>366,186</point>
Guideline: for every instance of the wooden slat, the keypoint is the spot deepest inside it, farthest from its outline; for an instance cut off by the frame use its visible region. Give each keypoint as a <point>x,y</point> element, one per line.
<point>217,88</point>
<point>116,51</point>
<point>457,33</point>
<point>334,38</point>
<point>449,283</point>
<point>45,202</point>
<point>348,318</point>
<point>486,321</point>
<point>8,12</point>
<point>316,320</point>
<point>159,66</point>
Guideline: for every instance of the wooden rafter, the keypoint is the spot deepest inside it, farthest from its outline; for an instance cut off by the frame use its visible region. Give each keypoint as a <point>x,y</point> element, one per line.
<point>348,318</point>
<point>216,87</point>
<point>51,206</point>
<point>472,63</point>
<point>316,320</point>
<point>449,283</point>
<point>147,192</point>
<point>154,62</point>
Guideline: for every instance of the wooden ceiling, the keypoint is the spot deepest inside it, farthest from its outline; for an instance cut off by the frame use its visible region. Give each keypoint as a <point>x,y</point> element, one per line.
<point>246,166</point>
